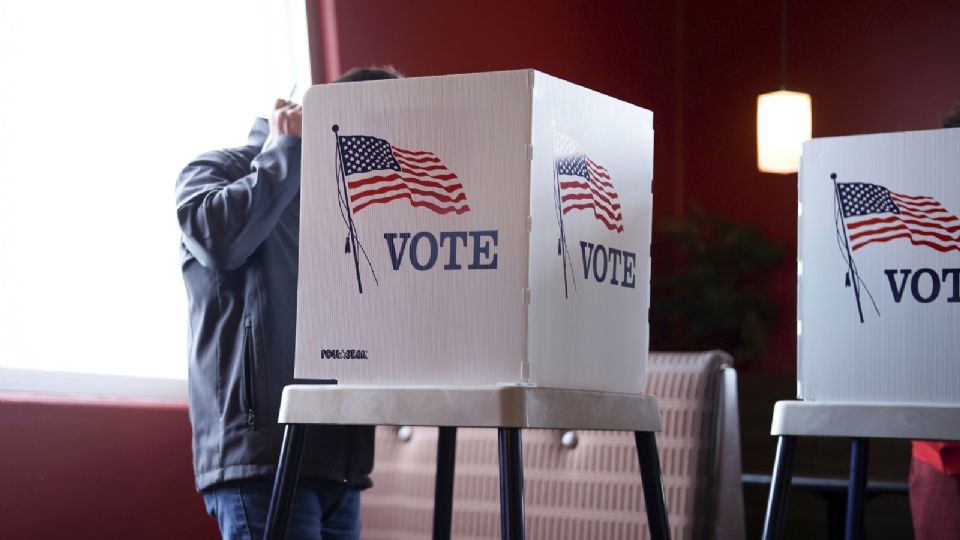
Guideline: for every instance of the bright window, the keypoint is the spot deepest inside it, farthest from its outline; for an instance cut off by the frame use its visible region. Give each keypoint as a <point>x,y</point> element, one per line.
<point>102,103</point>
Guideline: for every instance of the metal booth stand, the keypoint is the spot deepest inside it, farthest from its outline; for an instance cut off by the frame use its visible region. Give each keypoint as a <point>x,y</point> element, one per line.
<point>507,408</point>
<point>860,423</point>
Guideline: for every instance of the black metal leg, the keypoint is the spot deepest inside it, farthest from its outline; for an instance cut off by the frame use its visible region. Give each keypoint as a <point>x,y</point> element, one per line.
<point>856,493</point>
<point>284,485</point>
<point>779,488</point>
<point>511,484</point>
<point>652,483</point>
<point>443,487</point>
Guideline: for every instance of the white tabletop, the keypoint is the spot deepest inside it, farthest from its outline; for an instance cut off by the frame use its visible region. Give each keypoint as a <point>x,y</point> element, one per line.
<point>474,406</point>
<point>825,419</point>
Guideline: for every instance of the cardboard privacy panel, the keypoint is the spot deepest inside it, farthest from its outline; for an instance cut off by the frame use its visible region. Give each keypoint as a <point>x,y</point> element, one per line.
<point>879,268</point>
<point>474,229</point>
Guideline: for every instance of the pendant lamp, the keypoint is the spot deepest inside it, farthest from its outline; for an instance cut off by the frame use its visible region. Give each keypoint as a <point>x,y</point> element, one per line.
<point>784,118</point>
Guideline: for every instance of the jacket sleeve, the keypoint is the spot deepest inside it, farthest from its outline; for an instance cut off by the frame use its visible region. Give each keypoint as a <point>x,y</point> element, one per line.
<point>229,201</point>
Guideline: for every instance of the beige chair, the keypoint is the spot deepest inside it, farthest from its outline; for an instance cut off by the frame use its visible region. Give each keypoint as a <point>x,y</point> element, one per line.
<point>583,484</point>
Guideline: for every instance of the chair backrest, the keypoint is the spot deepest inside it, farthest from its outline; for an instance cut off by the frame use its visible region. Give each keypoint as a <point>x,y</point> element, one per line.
<point>583,484</point>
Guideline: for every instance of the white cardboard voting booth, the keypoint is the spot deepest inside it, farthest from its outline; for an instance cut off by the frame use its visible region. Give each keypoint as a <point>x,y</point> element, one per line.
<point>474,230</point>
<point>879,269</point>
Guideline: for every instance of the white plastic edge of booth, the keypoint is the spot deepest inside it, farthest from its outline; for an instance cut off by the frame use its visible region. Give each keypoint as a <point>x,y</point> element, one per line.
<point>474,406</point>
<point>872,420</point>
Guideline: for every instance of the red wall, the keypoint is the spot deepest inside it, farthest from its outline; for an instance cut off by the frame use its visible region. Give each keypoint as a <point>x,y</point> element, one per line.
<point>623,48</point>
<point>97,470</point>
<point>876,66</point>
<point>883,65</point>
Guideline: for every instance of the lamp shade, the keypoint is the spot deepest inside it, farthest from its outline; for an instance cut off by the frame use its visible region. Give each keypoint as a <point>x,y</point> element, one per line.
<point>784,121</point>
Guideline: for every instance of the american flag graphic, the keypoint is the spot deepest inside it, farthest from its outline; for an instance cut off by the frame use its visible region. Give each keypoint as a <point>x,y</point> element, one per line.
<point>378,172</point>
<point>875,214</point>
<point>587,186</point>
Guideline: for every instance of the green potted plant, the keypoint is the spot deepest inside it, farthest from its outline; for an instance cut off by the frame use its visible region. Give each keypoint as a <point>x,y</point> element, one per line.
<point>709,286</point>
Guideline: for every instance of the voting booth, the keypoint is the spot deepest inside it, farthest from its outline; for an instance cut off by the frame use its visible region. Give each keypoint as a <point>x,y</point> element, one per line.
<point>482,229</point>
<point>878,303</point>
<point>879,268</point>
<point>474,252</point>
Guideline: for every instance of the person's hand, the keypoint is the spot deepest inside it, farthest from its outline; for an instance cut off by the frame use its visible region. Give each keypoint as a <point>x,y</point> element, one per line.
<point>287,119</point>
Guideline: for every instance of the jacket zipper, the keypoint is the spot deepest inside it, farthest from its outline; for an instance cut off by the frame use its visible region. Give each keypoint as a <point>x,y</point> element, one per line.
<point>248,400</point>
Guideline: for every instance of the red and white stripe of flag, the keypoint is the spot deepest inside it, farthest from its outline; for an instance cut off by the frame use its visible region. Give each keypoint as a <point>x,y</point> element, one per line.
<point>423,180</point>
<point>597,194</point>
<point>922,220</point>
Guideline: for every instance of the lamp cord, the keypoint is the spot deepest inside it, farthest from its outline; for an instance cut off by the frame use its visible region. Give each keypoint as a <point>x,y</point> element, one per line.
<point>783,44</point>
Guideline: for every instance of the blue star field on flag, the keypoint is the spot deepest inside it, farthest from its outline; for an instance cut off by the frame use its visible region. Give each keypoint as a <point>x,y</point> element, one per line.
<point>860,199</point>
<point>573,165</point>
<point>361,154</point>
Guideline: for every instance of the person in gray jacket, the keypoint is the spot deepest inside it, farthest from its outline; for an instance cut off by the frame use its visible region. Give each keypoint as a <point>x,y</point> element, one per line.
<point>239,215</point>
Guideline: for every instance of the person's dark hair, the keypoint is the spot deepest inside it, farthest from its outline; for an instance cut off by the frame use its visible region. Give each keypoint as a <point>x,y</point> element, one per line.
<point>952,120</point>
<point>369,74</point>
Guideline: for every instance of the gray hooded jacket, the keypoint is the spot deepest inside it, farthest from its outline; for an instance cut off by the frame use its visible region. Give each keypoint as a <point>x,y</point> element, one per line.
<point>239,214</point>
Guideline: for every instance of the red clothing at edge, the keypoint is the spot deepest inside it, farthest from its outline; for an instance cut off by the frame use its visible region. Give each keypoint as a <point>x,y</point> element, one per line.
<point>944,456</point>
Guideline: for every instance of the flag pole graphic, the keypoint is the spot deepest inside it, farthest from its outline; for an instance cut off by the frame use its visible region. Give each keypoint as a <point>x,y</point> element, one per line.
<point>352,238</point>
<point>846,244</point>
<point>562,241</point>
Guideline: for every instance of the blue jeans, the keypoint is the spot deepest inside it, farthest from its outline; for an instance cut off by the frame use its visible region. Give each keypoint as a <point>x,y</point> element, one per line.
<point>321,509</point>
